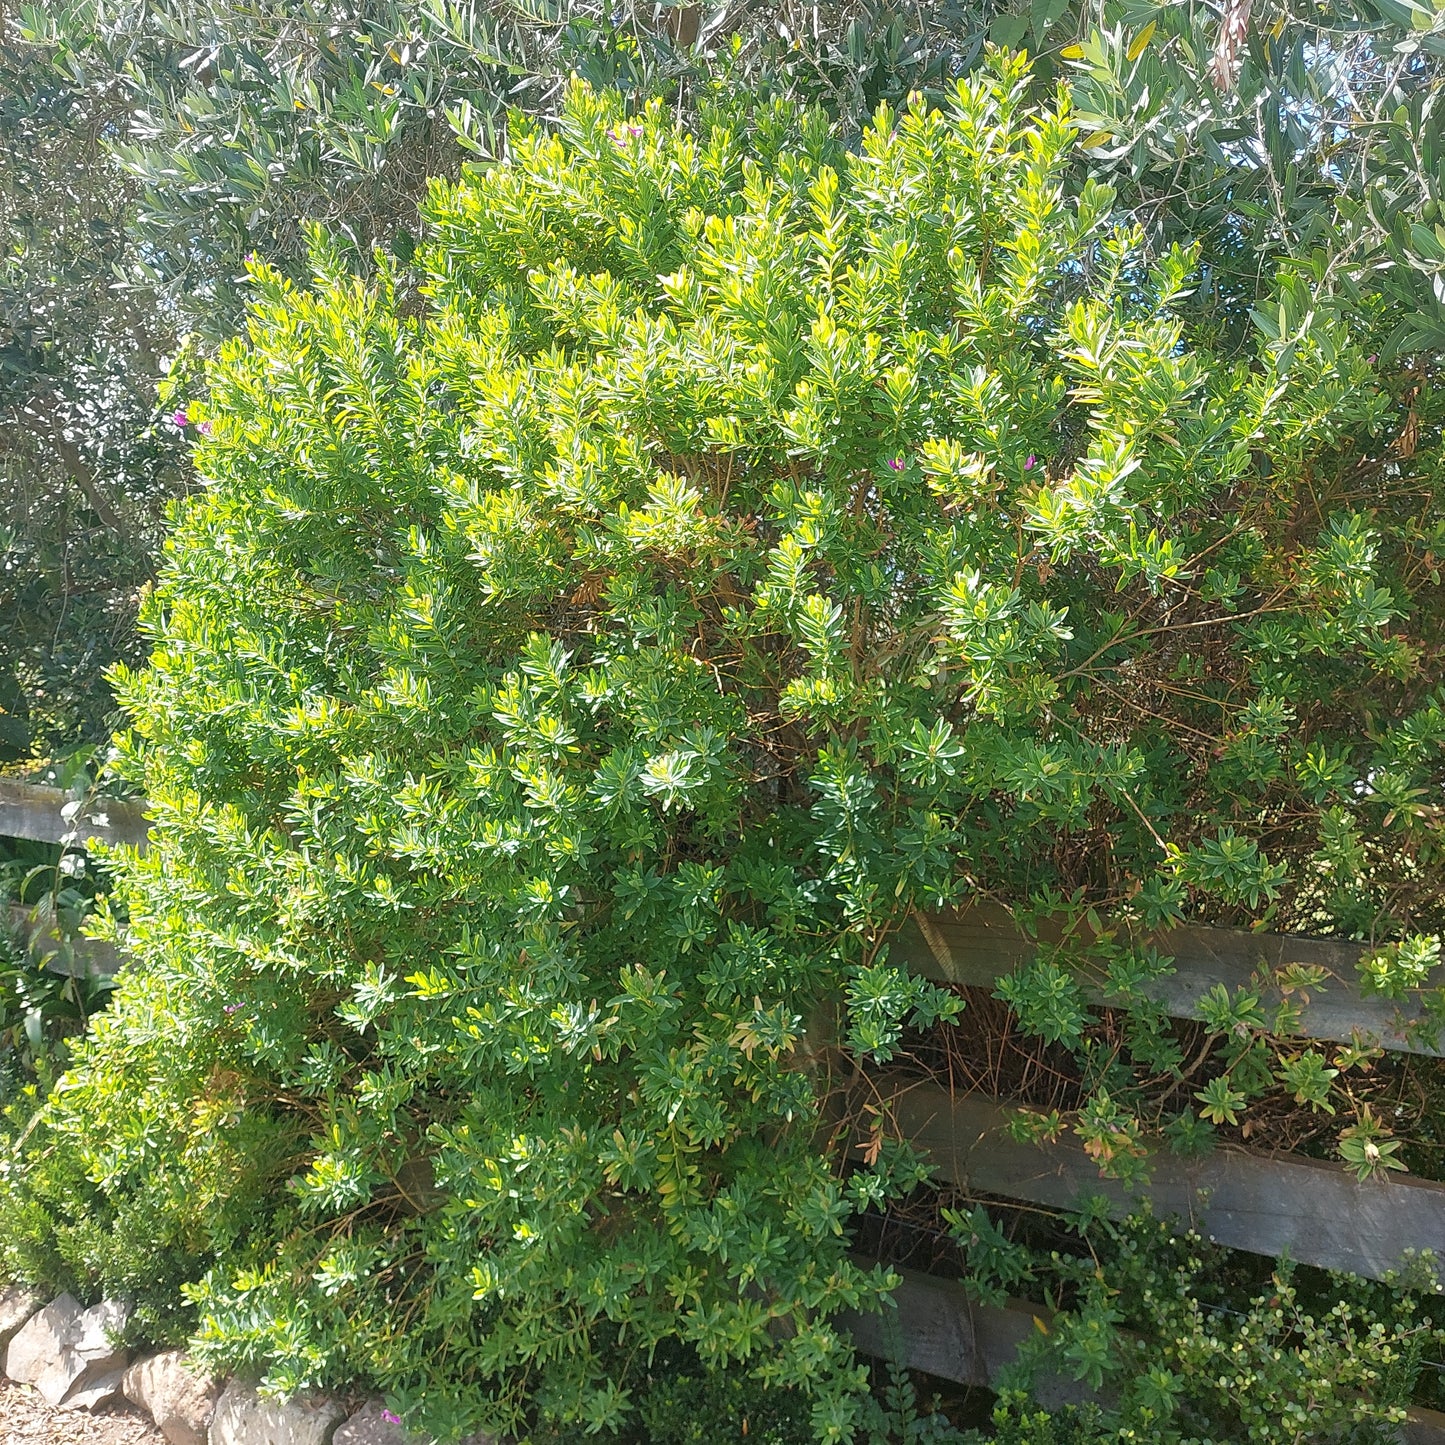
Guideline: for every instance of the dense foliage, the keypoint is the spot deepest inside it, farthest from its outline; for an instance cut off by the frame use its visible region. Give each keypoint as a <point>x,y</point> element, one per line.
<point>562,693</point>
<point>85,462</point>
<point>148,146</point>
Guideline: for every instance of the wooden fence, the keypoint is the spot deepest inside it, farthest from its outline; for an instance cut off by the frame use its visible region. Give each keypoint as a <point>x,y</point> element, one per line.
<point>1317,1213</point>
<point>41,814</point>
<point>982,944</point>
<point>49,815</point>
<point>73,958</point>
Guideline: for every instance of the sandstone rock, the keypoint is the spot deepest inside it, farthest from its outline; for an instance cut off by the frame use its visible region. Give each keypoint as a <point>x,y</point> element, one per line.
<point>243,1418</point>
<point>369,1426</point>
<point>95,1393</point>
<point>63,1349</point>
<point>16,1306</point>
<point>93,1338</point>
<point>40,1342</point>
<point>180,1398</point>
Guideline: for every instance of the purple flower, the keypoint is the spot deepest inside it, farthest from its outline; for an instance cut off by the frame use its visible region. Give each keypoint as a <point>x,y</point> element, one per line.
<point>204,427</point>
<point>1373,360</point>
<point>895,464</point>
<point>232,1008</point>
<point>180,420</point>
<point>1029,465</point>
<point>390,1417</point>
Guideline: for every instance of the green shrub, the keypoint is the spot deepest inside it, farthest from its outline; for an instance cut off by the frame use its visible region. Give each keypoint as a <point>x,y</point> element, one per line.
<point>1016,1422</point>
<point>705,1410</point>
<point>571,676</point>
<point>58,1226</point>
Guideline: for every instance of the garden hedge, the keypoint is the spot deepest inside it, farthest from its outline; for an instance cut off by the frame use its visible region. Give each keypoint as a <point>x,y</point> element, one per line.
<point>587,650</point>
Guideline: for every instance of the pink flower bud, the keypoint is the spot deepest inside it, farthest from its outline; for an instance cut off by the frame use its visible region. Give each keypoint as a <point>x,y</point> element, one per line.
<point>895,464</point>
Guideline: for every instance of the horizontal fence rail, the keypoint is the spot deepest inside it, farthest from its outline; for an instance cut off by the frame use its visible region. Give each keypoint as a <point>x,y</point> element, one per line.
<point>1314,1212</point>
<point>39,814</point>
<point>935,1327</point>
<point>73,958</point>
<point>981,944</point>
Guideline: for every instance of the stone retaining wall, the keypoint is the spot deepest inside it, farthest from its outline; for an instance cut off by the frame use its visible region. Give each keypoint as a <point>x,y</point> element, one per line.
<point>67,1353</point>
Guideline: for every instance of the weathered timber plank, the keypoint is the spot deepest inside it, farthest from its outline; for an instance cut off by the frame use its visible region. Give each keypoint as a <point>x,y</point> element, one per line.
<point>87,957</point>
<point>1423,1427</point>
<point>979,945</point>
<point>1316,1213</point>
<point>33,811</point>
<point>937,1328</point>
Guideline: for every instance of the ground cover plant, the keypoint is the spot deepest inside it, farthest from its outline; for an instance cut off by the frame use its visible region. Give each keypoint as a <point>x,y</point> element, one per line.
<point>1193,1342</point>
<point>563,690</point>
<point>1165,1336</point>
